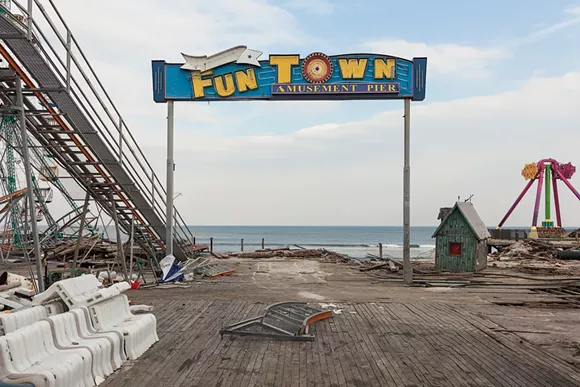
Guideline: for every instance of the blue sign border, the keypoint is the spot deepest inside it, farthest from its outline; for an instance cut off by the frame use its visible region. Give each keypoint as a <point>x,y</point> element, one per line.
<point>171,83</point>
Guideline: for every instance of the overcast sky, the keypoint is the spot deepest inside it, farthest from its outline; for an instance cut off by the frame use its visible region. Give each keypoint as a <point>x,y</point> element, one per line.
<point>503,90</point>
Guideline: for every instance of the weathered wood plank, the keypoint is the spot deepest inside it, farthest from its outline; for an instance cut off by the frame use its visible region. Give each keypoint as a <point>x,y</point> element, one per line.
<point>532,363</point>
<point>227,368</point>
<point>489,354</point>
<point>392,344</point>
<point>364,360</point>
<point>328,371</point>
<point>451,357</point>
<point>215,348</point>
<point>250,347</point>
<point>383,362</point>
<point>337,345</point>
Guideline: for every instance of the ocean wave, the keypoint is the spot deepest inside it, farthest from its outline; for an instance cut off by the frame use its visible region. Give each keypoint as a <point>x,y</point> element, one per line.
<point>400,246</point>
<point>327,245</point>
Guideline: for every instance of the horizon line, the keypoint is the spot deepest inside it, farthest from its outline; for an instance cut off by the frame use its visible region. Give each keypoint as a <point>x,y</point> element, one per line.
<point>335,226</point>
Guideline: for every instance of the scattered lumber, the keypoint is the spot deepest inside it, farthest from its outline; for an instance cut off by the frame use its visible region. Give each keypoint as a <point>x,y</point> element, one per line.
<point>99,249</point>
<point>95,248</point>
<point>285,248</point>
<point>322,255</point>
<point>220,256</point>
<point>376,267</point>
<point>393,265</point>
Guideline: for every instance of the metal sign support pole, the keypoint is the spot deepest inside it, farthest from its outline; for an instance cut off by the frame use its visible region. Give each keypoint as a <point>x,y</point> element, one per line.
<point>29,186</point>
<point>407,268</point>
<point>170,172</point>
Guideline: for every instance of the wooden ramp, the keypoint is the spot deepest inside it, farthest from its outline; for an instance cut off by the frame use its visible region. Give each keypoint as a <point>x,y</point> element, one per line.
<point>366,344</point>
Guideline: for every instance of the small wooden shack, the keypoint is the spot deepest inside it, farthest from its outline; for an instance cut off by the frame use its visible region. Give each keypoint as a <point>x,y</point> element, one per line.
<point>460,240</point>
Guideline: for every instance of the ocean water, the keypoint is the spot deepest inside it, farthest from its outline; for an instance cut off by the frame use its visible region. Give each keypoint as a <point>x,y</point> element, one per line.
<point>356,242</point>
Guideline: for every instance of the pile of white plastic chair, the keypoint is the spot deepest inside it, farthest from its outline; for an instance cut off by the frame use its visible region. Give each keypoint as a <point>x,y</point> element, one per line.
<point>76,333</point>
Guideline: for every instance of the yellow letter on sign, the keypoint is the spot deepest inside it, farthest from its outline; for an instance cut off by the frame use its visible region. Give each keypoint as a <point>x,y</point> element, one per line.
<point>284,64</point>
<point>246,80</point>
<point>384,69</point>
<point>352,68</point>
<point>199,84</point>
<point>224,90</point>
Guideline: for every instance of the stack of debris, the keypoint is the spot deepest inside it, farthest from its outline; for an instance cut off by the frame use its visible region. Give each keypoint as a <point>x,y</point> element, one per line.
<point>91,247</point>
<point>526,249</point>
<point>322,255</point>
<point>15,291</point>
<point>390,266</point>
<point>536,257</point>
<point>574,234</point>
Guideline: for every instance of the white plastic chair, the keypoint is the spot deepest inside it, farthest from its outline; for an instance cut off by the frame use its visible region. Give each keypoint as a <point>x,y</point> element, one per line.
<point>85,377</point>
<point>139,331</point>
<point>85,329</point>
<point>65,336</point>
<point>10,373</point>
<point>10,322</point>
<point>29,356</point>
<point>80,291</point>
<point>55,307</point>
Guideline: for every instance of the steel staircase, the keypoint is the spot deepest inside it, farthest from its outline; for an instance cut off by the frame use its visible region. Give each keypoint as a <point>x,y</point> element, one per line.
<point>79,125</point>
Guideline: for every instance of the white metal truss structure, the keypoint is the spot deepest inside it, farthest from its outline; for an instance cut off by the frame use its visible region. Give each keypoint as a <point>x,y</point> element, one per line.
<point>45,177</point>
<point>79,124</point>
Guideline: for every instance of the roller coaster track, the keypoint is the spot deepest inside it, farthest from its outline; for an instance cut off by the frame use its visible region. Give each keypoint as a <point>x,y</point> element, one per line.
<point>80,125</point>
<point>10,134</point>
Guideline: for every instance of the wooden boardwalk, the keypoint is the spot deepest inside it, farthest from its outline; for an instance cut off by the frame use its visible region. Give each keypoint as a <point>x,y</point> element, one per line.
<point>367,344</point>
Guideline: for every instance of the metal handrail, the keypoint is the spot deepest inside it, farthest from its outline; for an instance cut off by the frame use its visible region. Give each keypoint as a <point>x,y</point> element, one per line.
<point>73,39</point>
<point>82,105</point>
<point>122,122</point>
<point>109,143</point>
<point>157,189</point>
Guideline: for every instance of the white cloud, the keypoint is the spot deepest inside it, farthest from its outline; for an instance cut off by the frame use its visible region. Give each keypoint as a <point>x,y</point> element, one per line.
<point>320,131</point>
<point>445,59</point>
<point>321,7</point>
<point>121,52</point>
<point>196,27</point>
<point>464,60</point>
<point>333,172</point>
<point>572,18</point>
<point>352,173</point>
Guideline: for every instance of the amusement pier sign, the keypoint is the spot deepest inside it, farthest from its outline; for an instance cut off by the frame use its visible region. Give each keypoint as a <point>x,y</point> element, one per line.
<point>237,74</point>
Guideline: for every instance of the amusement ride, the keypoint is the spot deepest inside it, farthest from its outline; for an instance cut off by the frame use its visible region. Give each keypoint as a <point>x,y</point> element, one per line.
<point>14,214</point>
<point>547,173</point>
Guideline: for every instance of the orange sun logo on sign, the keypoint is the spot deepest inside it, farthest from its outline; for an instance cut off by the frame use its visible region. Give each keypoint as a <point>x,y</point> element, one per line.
<point>317,68</point>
